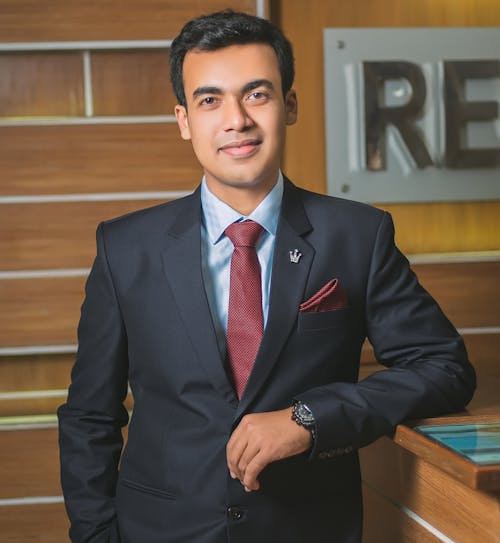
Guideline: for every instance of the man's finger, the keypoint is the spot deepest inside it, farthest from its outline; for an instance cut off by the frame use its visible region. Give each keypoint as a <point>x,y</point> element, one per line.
<point>250,452</point>
<point>253,470</point>
<point>234,451</point>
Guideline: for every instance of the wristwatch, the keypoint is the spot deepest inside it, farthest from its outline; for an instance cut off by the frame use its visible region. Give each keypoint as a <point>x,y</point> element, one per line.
<point>303,416</point>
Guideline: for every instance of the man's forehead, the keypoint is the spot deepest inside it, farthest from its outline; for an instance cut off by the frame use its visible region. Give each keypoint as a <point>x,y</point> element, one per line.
<point>241,56</point>
<point>236,49</point>
<point>233,66</point>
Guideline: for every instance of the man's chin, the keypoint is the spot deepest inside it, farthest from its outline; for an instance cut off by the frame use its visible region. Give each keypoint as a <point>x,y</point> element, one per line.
<point>244,181</point>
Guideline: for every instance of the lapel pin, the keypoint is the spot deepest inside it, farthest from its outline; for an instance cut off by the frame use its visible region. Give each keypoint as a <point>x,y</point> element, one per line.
<point>295,256</point>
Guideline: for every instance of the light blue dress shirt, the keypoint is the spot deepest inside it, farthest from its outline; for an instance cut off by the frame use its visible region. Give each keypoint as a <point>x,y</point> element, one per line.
<point>217,249</point>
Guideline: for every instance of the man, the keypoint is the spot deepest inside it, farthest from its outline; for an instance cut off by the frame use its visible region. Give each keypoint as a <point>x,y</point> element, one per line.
<point>247,411</point>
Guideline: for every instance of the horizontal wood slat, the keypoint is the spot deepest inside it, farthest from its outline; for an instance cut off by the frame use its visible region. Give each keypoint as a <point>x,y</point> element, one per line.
<point>36,375</point>
<point>55,235</point>
<point>434,227</point>
<point>467,292</point>
<point>31,406</point>
<point>37,451</point>
<point>41,311</point>
<point>40,406</point>
<point>46,523</point>
<point>95,158</point>
<point>29,462</point>
<point>131,83</point>
<point>25,20</point>
<point>35,372</point>
<point>48,83</point>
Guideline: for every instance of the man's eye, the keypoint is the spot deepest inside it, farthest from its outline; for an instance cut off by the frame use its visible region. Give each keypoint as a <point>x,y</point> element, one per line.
<point>209,100</point>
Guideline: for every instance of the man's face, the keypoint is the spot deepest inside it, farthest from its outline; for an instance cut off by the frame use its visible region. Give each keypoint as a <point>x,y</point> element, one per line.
<point>236,116</point>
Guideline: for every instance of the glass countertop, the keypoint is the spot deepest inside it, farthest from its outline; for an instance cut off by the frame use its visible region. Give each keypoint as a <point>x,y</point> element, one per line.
<point>478,442</point>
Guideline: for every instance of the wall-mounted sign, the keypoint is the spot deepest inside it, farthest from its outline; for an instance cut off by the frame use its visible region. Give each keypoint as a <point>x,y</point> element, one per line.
<point>412,114</point>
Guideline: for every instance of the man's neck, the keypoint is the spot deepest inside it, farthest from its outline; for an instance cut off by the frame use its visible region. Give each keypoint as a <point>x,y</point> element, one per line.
<point>242,199</point>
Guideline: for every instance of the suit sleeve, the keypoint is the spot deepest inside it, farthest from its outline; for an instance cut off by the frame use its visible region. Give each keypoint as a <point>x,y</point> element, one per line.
<point>428,370</point>
<point>90,438</point>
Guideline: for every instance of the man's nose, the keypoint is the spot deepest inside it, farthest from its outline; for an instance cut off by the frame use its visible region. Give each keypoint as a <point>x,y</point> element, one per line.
<point>236,117</point>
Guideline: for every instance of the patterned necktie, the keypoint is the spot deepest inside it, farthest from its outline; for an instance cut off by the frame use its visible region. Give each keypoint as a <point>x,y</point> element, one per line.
<point>245,324</point>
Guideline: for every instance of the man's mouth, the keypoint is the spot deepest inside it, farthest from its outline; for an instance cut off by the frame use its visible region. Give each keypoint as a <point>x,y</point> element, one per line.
<point>243,148</point>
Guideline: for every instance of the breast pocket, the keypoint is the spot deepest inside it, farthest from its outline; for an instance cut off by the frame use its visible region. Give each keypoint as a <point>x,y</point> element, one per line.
<point>308,322</point>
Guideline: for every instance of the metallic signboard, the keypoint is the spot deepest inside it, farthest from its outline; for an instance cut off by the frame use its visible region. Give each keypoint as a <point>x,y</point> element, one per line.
<point>412,114</point>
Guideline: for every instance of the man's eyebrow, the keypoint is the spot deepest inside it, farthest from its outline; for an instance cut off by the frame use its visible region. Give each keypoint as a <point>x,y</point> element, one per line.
<point>251,85</point>
<point>206,90</point>
<point>258,83</point>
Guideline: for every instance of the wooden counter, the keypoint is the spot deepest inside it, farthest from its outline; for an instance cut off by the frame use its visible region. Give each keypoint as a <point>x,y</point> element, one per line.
<point>417,490</point>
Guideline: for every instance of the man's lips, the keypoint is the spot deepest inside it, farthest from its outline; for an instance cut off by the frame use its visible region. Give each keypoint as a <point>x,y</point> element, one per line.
<point>241,148</point>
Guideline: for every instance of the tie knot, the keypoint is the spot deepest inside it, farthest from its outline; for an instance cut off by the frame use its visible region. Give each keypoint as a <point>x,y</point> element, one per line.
<point>244,234</point>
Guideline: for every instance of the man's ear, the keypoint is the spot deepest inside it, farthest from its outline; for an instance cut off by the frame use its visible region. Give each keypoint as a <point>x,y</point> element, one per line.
<point>291,107</point>
<point>182,120</point>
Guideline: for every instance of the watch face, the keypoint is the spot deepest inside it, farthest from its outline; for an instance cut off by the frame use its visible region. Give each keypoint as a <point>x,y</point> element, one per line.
<point>305,414</point>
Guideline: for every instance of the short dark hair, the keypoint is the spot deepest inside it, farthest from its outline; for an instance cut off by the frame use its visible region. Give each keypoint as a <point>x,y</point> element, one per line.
<point>222,29</point>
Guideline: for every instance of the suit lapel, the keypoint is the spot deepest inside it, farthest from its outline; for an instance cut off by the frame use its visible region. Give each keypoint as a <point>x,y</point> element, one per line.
<point>287,287</point>
<point>182,266</point>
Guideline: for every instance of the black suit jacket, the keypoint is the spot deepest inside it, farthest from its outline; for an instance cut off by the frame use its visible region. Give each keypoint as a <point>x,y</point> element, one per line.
<point>146,321</point>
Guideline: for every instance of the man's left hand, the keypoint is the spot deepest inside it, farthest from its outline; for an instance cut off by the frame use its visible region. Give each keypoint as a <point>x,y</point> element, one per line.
<point>262,438</point>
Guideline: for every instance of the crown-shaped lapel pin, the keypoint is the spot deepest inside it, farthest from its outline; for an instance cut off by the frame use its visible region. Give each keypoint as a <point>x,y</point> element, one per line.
<point>295,256</point>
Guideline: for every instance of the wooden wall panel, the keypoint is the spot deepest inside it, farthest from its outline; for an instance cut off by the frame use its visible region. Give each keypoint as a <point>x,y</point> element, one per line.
<point>36,384</point>
<point>131,83</point>
<point>95,158</point>
<point>40,312</point>
<point>450,227</point>
<point>41,404</point>
<point>42,377</point>
<point>305,155</point>
<point>483,352</point>
<point>467,292</point>
<point>56,235</point>
<point>35,372</point>
<point>44,84</point>
<point>60,20</point>
<point>40,474</point>
<point>46,523</point>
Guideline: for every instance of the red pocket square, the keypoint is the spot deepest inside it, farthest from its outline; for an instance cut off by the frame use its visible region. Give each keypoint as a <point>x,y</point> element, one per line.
<point>330,296</point>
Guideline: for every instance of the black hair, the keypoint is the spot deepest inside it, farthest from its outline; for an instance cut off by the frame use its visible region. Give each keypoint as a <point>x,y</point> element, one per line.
<point>222,29</point>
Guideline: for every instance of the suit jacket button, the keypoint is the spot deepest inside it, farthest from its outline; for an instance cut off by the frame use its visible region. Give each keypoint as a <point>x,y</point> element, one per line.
<point>234,512</point>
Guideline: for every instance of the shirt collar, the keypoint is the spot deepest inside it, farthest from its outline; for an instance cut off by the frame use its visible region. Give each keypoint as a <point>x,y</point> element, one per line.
<point>217,215</point>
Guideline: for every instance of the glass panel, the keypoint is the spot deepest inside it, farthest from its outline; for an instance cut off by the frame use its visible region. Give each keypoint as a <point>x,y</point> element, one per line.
<point>479,443</point>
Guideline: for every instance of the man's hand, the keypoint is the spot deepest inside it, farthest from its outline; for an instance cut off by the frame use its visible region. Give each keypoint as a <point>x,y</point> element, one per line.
<point>262,438</point>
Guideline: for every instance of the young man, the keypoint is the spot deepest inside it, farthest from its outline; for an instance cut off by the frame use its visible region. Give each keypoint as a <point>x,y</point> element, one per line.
<point>243,356</point>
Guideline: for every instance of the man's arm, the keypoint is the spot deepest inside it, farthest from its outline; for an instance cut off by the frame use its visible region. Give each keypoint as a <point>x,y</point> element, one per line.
<point>90,422</point>
<point>429,373</point>
<point>428,370</point>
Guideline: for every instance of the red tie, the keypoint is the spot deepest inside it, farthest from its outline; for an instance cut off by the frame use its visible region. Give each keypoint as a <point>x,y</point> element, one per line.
<point>244,325</point>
